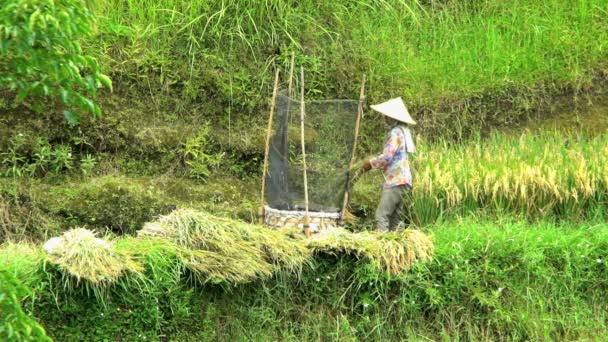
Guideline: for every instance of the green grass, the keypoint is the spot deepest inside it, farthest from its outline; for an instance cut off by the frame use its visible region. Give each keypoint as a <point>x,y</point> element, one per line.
<point>453,50</point>
<point>489,280</point>
<point>469,59</point>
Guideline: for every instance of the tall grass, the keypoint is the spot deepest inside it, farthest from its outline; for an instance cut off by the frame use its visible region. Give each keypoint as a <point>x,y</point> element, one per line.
<point>449,50</point>
<point>433,53</point>
<point>546,175</point>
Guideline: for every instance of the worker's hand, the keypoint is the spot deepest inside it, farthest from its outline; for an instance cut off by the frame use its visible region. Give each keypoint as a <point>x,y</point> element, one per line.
<point>366,166</point>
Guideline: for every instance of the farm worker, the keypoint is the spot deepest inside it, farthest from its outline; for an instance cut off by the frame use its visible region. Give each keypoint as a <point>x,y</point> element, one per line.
<point>395,162</point>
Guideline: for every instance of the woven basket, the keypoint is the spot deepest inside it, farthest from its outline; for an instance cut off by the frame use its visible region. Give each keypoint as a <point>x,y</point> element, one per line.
<point>295,219</point>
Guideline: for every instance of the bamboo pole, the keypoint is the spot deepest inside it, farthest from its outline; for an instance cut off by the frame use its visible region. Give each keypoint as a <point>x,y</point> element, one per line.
<point>302,111</point>
<point>268,133</point>
<point>285,140</point>
<point>293,57</point>
<point>352,155</point>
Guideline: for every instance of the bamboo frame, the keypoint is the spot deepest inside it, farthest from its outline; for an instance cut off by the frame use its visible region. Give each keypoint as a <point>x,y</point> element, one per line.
<point>307,220</point>
<point>291,65</point>
<point>285,142</point>
<point>352,156</point>
<point>302,113</point>
<point>267,147</point>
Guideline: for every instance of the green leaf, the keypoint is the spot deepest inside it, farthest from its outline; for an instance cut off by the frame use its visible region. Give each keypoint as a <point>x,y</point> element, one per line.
<point>106,81</point>
<point>89,105</point>
<point>92,63</point>
<point>64,96</point>
<point>21,95</point>
<point>33,19</point>
<point>73,118</point>
<point>97,112</point>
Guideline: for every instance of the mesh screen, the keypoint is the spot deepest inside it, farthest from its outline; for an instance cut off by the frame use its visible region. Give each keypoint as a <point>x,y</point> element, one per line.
<point>329,132</point>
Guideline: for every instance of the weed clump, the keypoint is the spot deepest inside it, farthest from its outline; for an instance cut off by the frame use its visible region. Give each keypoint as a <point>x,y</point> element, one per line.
<point>80,254</point>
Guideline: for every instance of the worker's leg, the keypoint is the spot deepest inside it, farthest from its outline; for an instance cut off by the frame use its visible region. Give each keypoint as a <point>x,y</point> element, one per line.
<point>395,217</point>
<point>388,202</point>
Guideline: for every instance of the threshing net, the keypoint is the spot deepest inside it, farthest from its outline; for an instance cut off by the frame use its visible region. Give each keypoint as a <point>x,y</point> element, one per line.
<point>329,134</point>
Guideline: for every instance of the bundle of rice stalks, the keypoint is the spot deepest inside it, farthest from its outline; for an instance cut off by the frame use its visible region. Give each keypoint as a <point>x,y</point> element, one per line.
<point>214,267</point>
<point>421,243</point>
<point>356,170</point>
<point>224,249</point>
<point>284,248</point>
<point>392,252</point>
<point>79,253</point>
<point>338,241</point>
<point>402,250</point>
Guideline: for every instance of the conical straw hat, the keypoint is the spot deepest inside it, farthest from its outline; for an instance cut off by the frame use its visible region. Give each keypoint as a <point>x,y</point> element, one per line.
<point>394,108</point>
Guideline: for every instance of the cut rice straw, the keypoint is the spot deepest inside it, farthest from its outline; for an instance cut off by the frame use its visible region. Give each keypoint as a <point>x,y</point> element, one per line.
<point>221,250</point>
<point>226,249</point>
<point>391,252</point>
<point>81,254</point>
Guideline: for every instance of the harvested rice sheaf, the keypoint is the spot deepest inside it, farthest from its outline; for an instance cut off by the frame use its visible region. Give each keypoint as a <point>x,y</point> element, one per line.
<point>79,253</point>
<point>225,249</point>
<point>221,249</point>
<point>392,252</point>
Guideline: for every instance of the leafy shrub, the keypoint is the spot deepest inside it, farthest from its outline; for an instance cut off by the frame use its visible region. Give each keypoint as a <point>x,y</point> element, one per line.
<point>15,324</point>
<point>42,56</point>
<point>40,157</point>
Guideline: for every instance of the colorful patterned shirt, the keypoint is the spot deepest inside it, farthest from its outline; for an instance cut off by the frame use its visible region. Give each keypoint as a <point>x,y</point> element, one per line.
<point>394,160</point>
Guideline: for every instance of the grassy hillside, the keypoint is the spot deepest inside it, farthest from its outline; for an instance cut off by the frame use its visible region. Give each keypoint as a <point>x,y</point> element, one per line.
<point>462,67</point>
<point>485,62</point>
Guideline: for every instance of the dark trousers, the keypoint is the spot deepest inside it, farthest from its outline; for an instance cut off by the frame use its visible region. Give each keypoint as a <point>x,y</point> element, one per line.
<point>388,214</point>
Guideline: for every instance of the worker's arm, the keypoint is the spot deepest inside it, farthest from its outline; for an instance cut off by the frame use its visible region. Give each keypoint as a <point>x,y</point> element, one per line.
<point>390,148</point>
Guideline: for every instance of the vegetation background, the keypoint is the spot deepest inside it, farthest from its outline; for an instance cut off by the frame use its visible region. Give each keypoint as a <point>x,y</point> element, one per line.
<point>511,171</point>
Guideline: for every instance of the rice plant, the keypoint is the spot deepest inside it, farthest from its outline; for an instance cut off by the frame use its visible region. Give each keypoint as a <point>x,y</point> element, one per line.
<point>219,249</point>
<point>531,176</point>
